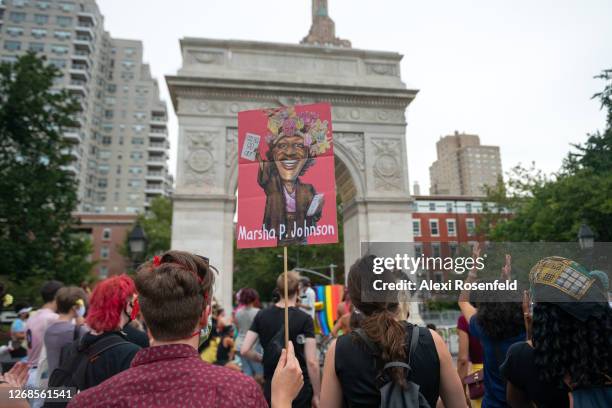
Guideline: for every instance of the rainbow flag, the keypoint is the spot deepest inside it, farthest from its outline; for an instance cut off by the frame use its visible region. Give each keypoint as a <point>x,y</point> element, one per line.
<point>326,313</point>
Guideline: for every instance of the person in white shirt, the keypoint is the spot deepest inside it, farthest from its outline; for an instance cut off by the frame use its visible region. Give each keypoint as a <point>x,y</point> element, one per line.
<point>307,297</point>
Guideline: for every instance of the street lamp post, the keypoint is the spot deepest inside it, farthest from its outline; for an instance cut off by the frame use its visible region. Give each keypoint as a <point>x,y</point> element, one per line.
<point>586,237</point>
<point>586,240</point>
<point>137,240</point>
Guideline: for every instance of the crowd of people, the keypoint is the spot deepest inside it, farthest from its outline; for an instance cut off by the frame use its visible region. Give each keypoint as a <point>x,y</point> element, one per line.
<point>160,339</point>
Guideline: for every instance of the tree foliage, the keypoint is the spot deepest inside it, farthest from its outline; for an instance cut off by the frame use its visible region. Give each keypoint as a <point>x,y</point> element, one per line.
<point>38,194</point>
<point>553,208</point>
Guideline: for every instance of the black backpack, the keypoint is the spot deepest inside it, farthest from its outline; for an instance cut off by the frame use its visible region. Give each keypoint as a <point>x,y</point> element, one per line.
<point>274,348</point>
<point>75,358</point>
<point>391,394</point>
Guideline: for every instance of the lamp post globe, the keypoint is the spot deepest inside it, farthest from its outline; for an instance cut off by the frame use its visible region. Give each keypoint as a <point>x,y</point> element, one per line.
<point>586,237</point>
<point>137,240</point>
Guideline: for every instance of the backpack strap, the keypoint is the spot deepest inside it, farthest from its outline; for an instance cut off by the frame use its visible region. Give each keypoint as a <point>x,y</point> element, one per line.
<point>394,364</point>
<point>369,343</point>
<point>92,352</point>
<point>77,332</point>
<point>100,346</point>
<point>414,341</point>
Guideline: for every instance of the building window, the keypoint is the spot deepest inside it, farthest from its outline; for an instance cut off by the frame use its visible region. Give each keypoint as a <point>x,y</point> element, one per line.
<point>416,228</point>
<point>104,252</point>
<point>435,249</point>
<point>64,21</point>
<point>19,3</point>
<point>12,45</point>
<point>17,17</point>
<point>432,206</point>
<point>470,225</point>
<point>103,169</point>
<point>468,208</point>
<point>37,47</point>
<point>102,183</point>
<point>434,228</point>
<point>451,227</point>
<point>39,33</point>
<point>449,207</point>
<point>106,234</point>
<point>66,7</point>
<point>43,5</point>
<point>453,249</point>
<point>62,35</point>
<point>137,140</point>
<point>135,170</point>
<point>103,273</point>
<point>136,155</point>
<point>133,183</point>
<point>59,49</point>
<point>58,63</point>
<point>104,154</point>
<point>41,19</point>
<point>438,277</point>
<point>107,140</point>
<point>9,58</point>
<point>14,31</point>
<point>418,249</point>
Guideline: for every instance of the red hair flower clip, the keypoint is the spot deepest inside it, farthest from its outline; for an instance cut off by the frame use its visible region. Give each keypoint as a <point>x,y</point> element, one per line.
<point>156,261</point>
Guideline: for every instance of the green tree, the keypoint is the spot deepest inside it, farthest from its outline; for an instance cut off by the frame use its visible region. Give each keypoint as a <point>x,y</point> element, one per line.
<point>38,194</point>
<point>157,225</point>
<point>553,208</point>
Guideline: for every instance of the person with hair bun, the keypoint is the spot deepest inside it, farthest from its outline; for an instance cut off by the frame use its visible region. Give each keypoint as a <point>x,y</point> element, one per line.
<point>351,371</point>
<point>174,297</point>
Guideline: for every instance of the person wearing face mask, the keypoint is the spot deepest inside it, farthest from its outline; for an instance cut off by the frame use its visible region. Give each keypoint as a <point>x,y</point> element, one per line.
<point>68,327</point>
<point>174,296</point>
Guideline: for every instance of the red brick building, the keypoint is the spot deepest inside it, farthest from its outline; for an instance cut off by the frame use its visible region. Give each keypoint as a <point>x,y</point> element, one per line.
<point>108,232</point>
<point>443,224</point>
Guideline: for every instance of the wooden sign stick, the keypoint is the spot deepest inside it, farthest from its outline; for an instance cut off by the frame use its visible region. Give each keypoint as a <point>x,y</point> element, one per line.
<point>286,301</point>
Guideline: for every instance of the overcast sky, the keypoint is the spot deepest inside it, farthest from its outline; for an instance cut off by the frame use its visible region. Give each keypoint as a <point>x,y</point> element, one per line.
<point>519,73</point>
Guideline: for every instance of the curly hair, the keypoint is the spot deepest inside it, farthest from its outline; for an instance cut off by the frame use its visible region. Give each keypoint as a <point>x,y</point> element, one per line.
<point>500,320</point>
<point>564,346</point>
<point>499,312</point>
<point>108,301</point>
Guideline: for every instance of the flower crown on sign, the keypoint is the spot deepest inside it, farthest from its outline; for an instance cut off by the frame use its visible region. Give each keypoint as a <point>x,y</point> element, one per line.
<point>285,122</point>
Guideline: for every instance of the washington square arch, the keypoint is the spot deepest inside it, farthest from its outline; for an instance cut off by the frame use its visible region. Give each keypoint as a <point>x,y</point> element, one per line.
<point>220,78</point>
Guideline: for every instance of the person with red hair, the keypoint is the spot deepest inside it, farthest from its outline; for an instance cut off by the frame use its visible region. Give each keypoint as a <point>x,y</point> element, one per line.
<point>105,350</point>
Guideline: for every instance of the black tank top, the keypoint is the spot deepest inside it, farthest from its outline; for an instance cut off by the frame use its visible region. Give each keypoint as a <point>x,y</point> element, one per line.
<point>356,370</point>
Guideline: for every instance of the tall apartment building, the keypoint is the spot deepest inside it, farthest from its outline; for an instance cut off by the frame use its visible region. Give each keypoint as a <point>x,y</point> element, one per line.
<point>464,167</point>
<point>120,146</point>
